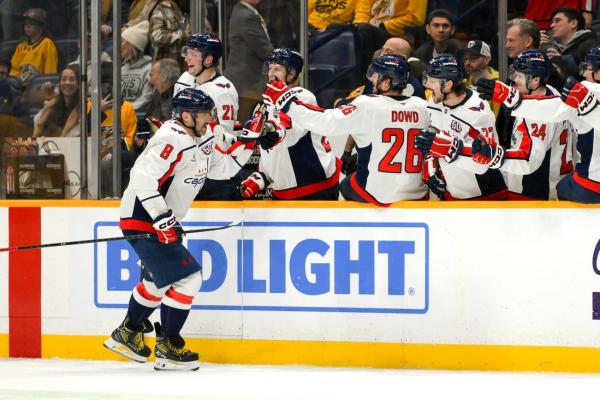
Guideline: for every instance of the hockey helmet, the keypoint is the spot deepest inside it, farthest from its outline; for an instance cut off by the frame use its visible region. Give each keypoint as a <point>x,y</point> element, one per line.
<point>287,57</point>
<point>445,67</point>
<point>530,63</point>
<point>193,101</point>
<point>591,60</point>
<point>206,44</point>
<point>392,66</point>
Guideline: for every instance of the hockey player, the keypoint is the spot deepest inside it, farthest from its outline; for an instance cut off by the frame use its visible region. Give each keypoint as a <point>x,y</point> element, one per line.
<point>301,166</point>
<point>202,53</point>
<point>583,184</point>
<point>541,151</point>
<point>383,125</point>
<point>457,114</point>
<point>164,181</point>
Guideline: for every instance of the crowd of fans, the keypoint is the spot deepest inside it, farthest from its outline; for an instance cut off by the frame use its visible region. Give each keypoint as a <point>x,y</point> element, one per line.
<point>155,31</point>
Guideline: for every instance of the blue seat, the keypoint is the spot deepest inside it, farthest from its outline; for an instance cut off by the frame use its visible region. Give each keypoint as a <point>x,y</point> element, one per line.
<point>68,50</point>
<point>7,48</point>
<point>333,60</point>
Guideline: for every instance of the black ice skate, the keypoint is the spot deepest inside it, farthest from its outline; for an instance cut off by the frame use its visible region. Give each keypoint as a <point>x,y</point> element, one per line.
<point>128,343</point>
<point>172,355</point>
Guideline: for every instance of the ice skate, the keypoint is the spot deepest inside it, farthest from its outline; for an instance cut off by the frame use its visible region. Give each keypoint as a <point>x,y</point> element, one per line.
<point>172,355</point>
<point>128,343</point>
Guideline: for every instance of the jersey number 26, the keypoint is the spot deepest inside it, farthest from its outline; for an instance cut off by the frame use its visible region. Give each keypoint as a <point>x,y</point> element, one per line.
<point>413,162</point>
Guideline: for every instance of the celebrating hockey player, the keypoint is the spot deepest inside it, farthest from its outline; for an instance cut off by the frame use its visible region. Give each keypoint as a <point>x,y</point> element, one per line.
<point>383,125</point>
<point>301,165</point>
<point>164,181</point>
<point>458,115</point>
<point>541,151</point>
<point>202,53</point>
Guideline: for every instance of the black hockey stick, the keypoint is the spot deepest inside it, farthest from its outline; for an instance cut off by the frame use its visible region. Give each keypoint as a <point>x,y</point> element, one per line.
<point>140,236</point>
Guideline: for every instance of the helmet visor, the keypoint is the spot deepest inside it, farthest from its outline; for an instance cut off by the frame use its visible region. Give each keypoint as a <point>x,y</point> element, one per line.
<point>191,52</point>
<point>584,67</point>
<point>517,76</point>
<point>430,82</point>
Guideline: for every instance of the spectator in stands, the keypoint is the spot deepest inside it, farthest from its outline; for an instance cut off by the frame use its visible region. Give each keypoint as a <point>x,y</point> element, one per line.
<point>135,71</point>
<point>440,28</point>
<point>104,58</point>
<point>322,13</point>
<point>570,39</point>
<point>521,34</point>
<point>249,47</point>
<point>165,32</point>
<point>378,20</point>
<point>542,12</point>
<point>60,115</point>
<point>38,54</point>
<point>476,58</point>
<point>163,75</point>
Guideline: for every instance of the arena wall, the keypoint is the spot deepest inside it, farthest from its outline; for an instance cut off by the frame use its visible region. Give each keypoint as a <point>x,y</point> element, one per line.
<point>486,286</point>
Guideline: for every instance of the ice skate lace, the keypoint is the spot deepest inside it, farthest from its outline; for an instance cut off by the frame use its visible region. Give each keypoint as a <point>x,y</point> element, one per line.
<point>180,351</point>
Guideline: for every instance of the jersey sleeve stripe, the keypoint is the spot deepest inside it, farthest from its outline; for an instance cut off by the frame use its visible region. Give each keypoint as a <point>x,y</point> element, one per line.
<point>307,190</point>
<point>363,193</point>
<point>524,150</point>
<point>150,198</point>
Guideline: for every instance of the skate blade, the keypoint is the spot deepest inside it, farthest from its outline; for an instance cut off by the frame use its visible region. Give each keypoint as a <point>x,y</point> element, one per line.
<point>163,364</point>
<point>123,350</point>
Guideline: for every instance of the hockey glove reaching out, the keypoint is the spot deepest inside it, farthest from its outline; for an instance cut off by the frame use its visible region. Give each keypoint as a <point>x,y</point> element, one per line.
<point>439,145</point>
<point>490,154</point>
<point>499,93</point>
<point>253,127</point>
<point>280,95</point>
<point>270,137</point>
<point>164,225</point>
<point>256,182</point>
<point>576,95</point>
<point>430,176</point>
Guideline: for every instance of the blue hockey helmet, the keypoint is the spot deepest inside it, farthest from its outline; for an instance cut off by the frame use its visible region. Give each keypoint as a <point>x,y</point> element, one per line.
<point>286,57</point>
<point>193,101</point>
<point>591,60</point>
<point>392,66</point>
<point>445,67</point>
<point>531,63</point>
<point>206,44</point>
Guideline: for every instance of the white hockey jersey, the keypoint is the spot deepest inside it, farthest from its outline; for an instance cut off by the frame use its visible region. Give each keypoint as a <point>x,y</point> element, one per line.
<point>384,129</point>
<point>466,179</point>
<point>541,151</point>
<point>223,93</point>
<point>302,163</point>
<point>170,172</point>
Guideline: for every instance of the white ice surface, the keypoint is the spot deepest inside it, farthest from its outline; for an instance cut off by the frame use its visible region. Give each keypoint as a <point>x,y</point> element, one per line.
<point>72,379</point>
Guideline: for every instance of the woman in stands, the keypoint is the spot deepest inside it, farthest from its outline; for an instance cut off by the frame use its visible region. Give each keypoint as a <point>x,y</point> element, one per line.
<point>37,54</point>
<point>60,115</point>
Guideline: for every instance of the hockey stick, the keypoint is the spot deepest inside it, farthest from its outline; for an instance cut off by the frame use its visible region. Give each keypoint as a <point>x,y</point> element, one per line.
<point>140,236</point>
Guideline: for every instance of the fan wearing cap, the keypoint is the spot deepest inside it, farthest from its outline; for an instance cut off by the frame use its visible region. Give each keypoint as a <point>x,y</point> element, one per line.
<point>476,58</point>
<point>135,71</point>
<point>38,54</point>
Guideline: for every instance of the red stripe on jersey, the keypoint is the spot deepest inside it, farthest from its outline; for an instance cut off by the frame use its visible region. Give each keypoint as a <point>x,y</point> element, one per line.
<point>310,106</point>
<point>247,145</point>
<point>171,168</point>
<point>307,190</point>
<point>285,120</point>
<point>130,224</point>
<point>179,297</point>
<point>539,97</point>
<point>524,150</point>
<point>499,195</point>
<point>519,196</point>
<point>363,193</point>
<point>473,133</point>
<point>24,283</point>
<point>586,182</point>
<point>141,289</point>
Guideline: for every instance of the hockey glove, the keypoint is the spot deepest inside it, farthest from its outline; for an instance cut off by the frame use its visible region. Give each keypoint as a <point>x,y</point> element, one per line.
<point>270,138</point>
<point>256,182</point>
<point>253,128</point>
<point>439,145</point>
<point>576,95</point>
<point>348,162</point>
<point>499,93</point>
<point>490,154</point>
<point>430,176</point>
<point>164,225</point>
<point>279,95</point>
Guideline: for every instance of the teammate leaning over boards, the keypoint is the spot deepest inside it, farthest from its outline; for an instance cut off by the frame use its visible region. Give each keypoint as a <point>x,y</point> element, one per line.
<point>541,151</point>
<point>583,184</point>
<point>301,165</point>
<point>458,114</point>
<point>164,181</point>
<point>202,53</point>
<point>383,125</point>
